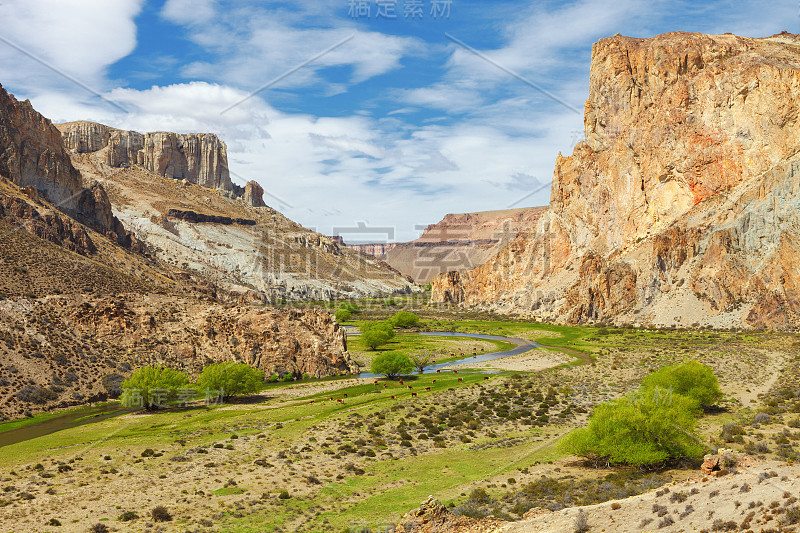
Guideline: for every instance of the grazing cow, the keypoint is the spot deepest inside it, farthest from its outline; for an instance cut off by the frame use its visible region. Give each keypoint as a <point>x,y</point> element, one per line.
<point>438,371</point>
<point>427,388</point>
<point>384,385</point>
<point>392,396</point>
<point>455,371</point>
<point>460,379</point>
<point>340,400</point>
<point>345,395</point>
<point>375,382</point>
<point>434,381</point>
<point>452,355</point>
<point>409,386</point>
<point>331,398</point>
<point>401,382</point>
<point>505,385</point>
<point>413,394</point>
<point>485,377</point>
<point>312,401</point>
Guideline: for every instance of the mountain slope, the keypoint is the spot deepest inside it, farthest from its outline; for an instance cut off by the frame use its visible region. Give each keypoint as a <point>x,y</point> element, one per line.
<point>83,302</point>
<point>162,192</point>
<point>680,207</point>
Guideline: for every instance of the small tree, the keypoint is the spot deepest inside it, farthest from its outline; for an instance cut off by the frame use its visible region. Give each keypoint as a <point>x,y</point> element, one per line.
<point>691,379</point>
<point>421,360</point>
<point>230,378</point>
<point>374,334</point>
<point>342,315</point>
<point>392,364</point>
<point>405,319</point>
<point>153,386</point>
<point>646,427</point>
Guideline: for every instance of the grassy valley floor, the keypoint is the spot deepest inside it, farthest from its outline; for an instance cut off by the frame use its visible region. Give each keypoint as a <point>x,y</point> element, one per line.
<point>296,458</point>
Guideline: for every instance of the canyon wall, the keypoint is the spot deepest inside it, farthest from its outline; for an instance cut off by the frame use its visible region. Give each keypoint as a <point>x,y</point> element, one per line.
<point>680,207</point>
<point>199,158</point>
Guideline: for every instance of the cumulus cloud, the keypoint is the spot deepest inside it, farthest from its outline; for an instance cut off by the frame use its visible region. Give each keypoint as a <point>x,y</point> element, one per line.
<point>79,39</point>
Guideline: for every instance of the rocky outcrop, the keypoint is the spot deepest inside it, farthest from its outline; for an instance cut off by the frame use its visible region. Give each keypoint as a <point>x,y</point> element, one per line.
<point>92,338</point>
<point>432,516</point>
<point>253,195</point>
<point>196,218</point>
<point>32,155</point>
<point>48,225</point>
<point>376,249</point>
<point>200,158</point>
<point>680,206</point>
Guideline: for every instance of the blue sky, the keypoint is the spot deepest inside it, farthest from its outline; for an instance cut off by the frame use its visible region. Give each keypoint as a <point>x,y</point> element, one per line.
<point>399,124</point>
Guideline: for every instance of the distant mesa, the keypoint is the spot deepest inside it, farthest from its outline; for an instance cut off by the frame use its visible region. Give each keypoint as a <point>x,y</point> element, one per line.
<point>458,242</point>
<point>200,158</point>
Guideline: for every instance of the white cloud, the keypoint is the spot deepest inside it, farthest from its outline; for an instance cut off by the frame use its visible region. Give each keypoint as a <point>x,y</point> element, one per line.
<point>252,45</point>
<point>80,39</point>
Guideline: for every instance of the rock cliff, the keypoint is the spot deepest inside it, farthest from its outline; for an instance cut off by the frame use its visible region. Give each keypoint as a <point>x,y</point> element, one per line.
<point>200,158</point>
<point>680,207</point>
<point>253,194</point>
<point>32,156</point>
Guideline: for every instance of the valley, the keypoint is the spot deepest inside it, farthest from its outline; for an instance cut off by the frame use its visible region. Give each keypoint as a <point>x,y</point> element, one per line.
<point>177,355</point>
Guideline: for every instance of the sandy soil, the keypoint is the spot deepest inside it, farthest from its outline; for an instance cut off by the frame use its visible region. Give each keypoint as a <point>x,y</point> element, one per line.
<point>707,499</point>
<point>531,361</point>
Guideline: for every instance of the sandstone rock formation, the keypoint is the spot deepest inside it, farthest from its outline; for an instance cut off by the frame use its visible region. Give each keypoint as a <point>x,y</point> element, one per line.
<point>253,195</point>
<point>200,158</point>
<point>680,207</point>
<point>457,242</point>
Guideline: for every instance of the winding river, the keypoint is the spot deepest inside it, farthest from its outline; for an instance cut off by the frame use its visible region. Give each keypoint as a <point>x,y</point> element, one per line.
<point>91,414</point>
<point>523,346</point>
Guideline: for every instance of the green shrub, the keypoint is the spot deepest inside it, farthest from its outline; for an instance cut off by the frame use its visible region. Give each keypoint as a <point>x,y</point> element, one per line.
<point>690,379</point>
<point>342,315</point>
<point>127,516</point>
<point>640,429</point>
<point>392,364</point>
<point>405,319</point>
<point>374,334</point>
<point>352,307</point>
<point>230,378</point>
<point>151,386</point>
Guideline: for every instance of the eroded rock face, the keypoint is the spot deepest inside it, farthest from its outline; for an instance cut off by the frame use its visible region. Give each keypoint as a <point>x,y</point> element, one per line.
<point>253,195</point>
<point>95,337</point>
<point>32,155</point>
<point>681,205</point>
<point>200,158</point>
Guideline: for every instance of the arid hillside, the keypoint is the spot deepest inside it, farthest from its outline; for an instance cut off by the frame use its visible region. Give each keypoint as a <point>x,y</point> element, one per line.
<point>175,194</point>
<point>681,206</point>
<point>83,301</point>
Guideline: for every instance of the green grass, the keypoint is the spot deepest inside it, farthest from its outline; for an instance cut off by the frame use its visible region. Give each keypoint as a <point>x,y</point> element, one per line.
<point>411,343</point>
<point>229,491</point>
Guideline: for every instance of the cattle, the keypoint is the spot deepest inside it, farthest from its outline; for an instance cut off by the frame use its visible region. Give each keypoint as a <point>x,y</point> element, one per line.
<point>340,400</point>
<point>409,386</point>
<point>438,371</point>
<point>455,371</point>
<point>427,388</point>
<point>401,382</point>
<point>384,385</point>
<point>413,394</point>
<point>312,401</point>
<point>345,395</point>
<point>392,396</point>
<point>485,377</point>
<point>434,381</point>
<point>460,379</point>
